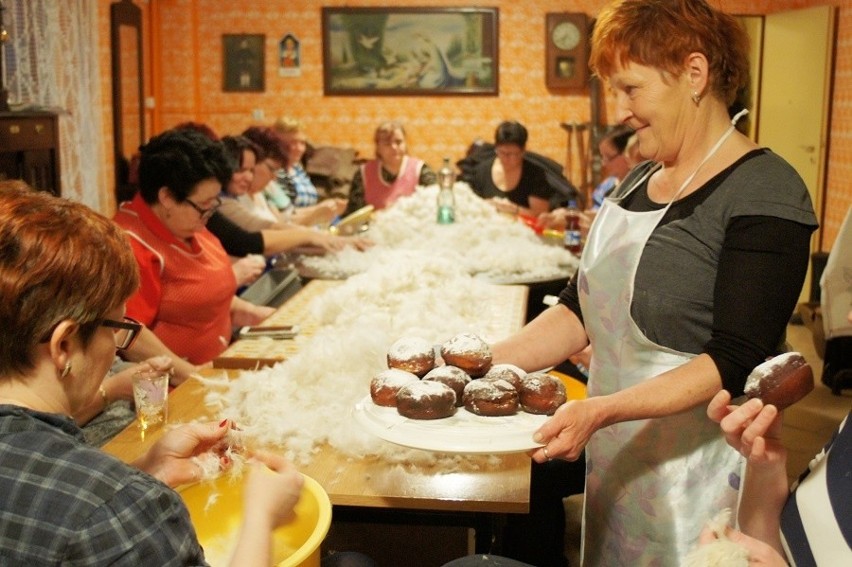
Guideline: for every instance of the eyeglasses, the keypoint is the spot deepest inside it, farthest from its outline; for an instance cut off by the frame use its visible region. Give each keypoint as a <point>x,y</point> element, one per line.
<point>205,213</point>
<point>509,153</point>
<point>606,158</point>
<point>125,331</point>
<point>270,165</point>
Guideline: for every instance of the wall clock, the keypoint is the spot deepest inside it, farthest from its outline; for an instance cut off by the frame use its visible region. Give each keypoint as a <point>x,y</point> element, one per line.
<point>566,50</point>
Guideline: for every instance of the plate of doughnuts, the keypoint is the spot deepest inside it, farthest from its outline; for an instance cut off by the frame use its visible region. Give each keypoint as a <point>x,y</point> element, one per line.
<point>462,432</point>
<point>451,398</point>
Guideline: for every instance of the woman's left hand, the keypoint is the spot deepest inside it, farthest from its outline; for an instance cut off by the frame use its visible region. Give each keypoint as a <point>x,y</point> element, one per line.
<point>119,386</point>
<point>752,428</point>
<point>244,313</point>
<point>248,269</point>
<point>566,434</point>
<point>503,205</point>
<point>359,242</point>
<point>170,458</point>
<point>333,206</point>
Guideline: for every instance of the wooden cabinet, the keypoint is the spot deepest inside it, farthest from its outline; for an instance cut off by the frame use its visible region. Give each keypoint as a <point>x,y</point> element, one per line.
<point>29,149</point>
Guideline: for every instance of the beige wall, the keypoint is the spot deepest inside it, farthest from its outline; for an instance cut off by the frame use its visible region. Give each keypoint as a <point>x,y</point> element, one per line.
<point>185,60</point>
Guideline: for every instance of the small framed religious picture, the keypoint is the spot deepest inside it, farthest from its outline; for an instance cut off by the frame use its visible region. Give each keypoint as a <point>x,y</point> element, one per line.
<point>289,56</point>
<point>243,62</point>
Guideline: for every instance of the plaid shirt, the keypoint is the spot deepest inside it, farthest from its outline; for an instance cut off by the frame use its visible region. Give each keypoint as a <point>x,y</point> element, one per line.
<point>64,502</point>
<point>306,194</point>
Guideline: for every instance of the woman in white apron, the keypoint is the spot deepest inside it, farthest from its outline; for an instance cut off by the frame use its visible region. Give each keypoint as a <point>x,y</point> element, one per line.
<point>689,275</point>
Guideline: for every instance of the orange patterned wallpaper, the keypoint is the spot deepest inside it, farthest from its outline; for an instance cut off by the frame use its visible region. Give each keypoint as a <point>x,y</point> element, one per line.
<point>187,81</point>
<point>839,179</point>
<point>104,64</point>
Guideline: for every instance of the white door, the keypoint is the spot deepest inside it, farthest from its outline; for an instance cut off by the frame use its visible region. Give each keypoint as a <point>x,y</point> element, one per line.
<point>795,90</point>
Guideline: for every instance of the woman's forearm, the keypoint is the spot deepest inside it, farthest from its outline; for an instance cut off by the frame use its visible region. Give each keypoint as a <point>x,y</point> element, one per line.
<point>683,388</point>
<point>246,313</point>
<point>280,240</point>
<point>148,345</point>
<point>254,543</point>
<point>764,493</point>
<point>537,206</point>
<point>546,341</point>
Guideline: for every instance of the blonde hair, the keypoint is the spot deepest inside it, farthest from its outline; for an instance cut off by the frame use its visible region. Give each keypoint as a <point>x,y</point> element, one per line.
<point>287,125</point>
<point>387,129</point>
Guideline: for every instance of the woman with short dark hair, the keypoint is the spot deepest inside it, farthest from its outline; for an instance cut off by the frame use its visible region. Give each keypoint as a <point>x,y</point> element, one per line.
<point>513,184</point>
<point>186,299</point>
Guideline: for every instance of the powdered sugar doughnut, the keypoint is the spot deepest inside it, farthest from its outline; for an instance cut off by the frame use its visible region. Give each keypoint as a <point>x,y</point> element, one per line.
<point>468,352</point>
<point>386,384</point>
<point>508,372</point>
<point>426,400</point>
<point>781,381</point>
<point>412,354</point>
<point>491,398</point>
<point>542,393</point>
<point>452,376</point>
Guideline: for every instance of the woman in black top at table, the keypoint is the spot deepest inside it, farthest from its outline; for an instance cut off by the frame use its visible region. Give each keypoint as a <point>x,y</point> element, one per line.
<point>514,185</point>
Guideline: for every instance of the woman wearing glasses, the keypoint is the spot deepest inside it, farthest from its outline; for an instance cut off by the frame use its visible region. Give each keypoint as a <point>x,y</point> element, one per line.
<point>61,319</point>
<point>254,156</point>
<point>253,162</point>
<point>514,185</point>
<point>186,298</point>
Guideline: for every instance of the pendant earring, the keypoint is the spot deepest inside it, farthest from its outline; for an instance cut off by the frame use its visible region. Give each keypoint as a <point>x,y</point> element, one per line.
<point>696,98</point>
<point>66,371</point>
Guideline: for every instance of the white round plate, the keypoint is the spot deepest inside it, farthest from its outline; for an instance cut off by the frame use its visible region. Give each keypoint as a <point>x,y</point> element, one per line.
<point>463,432</point>
<point>521,279</point>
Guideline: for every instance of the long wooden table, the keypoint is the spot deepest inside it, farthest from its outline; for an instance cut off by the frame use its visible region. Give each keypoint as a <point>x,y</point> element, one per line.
<point>368,482</point>
<point>371,482</point>
<point>503,312</point>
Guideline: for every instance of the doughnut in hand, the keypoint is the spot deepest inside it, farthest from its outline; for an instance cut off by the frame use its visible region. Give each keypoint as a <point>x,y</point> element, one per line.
<point>781,381</point>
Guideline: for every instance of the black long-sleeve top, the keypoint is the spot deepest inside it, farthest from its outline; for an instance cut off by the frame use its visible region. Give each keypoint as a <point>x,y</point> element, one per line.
<point>235,240</point>
<point>752,279</point>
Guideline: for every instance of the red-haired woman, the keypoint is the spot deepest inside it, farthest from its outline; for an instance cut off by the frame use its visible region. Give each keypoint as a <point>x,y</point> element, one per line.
<point>66,274</point>
<point>689,276</point>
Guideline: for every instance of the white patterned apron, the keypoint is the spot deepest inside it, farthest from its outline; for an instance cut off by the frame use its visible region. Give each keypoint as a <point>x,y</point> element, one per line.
<point>651,485</point>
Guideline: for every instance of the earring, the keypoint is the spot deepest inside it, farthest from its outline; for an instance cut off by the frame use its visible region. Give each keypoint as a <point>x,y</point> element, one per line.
<point>696,98</point>
<point>66,371</point>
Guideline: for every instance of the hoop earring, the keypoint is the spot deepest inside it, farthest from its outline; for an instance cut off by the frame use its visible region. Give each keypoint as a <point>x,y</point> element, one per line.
<point>66,371</point>
<point>696,98</point>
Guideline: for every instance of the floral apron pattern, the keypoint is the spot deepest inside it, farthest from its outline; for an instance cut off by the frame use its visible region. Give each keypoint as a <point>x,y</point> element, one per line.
<point>650,484</point>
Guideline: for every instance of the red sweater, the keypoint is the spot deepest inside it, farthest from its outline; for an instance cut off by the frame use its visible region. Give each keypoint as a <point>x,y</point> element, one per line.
<point>186,289</point>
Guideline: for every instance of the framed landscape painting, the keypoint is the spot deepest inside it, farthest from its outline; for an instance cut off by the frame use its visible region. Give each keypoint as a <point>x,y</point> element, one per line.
<point>410,51</point>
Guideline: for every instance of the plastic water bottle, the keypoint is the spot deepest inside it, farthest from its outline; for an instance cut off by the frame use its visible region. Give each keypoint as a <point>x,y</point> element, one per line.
<point>446,199</point>
<point>573,237</point>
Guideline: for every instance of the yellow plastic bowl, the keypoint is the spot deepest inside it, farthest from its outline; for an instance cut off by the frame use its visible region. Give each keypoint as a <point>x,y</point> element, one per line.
<point>216,510</point>
<point>575,389</point>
